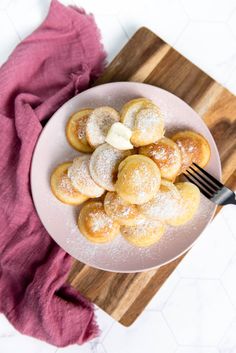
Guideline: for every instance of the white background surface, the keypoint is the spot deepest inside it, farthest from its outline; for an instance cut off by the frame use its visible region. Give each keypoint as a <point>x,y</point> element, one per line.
<point>195,311</point>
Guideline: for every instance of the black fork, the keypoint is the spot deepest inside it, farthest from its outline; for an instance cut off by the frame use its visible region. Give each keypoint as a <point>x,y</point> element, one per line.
<point>209,186</point>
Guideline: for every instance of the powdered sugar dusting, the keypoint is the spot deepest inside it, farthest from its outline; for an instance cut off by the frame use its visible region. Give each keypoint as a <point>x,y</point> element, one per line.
<point>65,185</point>
<point>104,165</point>
<point>143,179</point>
<point>144,226</point>
<point>131,114</point>
<point>163,154</point>
<point>80,177</point>
<point>148,125</point>
<point>119,209</point>
<point>164,206</point>
<point>100,222</point>
<point>146,119</point>
<point>99,123</point>
<point>81,127</point>
<point>189,151</point>
<point>120,253</point>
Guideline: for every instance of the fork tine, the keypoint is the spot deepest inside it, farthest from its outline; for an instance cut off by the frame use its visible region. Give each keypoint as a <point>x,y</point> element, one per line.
<point>217,182</point>
<point>210,190</point>
<point>208,182</point>
<point>201,189</point>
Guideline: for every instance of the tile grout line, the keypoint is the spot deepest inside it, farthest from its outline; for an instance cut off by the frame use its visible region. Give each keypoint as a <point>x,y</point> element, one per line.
<point>180,34</point>
<point>224,334</point>
<point>122,26</point>
<point>7,5</point>
<point>183,8</point>
<point>227,294</point>
<point>170,328</point>
<point>108,331</point>
<point>13,25</point>
<point>233,306</point>
<point>228,226</point>
<point>168,297</point>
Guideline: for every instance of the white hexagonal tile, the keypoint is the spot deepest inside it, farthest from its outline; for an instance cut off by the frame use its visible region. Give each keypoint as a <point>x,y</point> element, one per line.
<point>208,10</point>
<point>228,279</point>
<point>6,328</point>
<point>23,344</point>
<point>198,312</point>
<point>68,2</point>
<point>229,214</point>
<point>26,24</point>
<point>9,40</point>
<point>228,342</point>
<point>113,35</point>
<point>211,253</point>
<point>161,297</point>
<point>232,22</point>
<point>102,7</point>
<point>75,348</point>
<point>105,322</point>
<point>4,4</point>
<point>230,82</point>
<point>196,350</point>
<point>165,18</point>
<point>200,44</point>
<point>97,347</point>
<point>149,333</point>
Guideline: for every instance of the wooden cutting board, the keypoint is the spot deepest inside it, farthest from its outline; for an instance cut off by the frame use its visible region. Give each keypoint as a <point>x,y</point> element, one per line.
<point>147,58</point>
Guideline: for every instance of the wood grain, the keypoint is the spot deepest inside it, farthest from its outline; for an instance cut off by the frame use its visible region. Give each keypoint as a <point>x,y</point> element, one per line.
<point>147,58</point>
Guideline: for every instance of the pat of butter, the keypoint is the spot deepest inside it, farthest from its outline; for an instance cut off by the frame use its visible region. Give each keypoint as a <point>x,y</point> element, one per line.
<point>119,136</point>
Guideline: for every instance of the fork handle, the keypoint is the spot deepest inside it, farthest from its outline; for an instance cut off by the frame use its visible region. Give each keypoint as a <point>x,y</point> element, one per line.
<point>231,200</point>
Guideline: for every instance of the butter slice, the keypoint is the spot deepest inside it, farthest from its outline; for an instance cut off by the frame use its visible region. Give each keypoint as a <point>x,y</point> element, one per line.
<point>119,136</point>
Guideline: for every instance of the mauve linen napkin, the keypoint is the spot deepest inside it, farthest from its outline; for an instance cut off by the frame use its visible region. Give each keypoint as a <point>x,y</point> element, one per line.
<point>54,63</point>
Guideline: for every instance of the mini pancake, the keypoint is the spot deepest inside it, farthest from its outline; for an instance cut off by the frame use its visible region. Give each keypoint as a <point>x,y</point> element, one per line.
<point>120,210</point>
<point>190,196</point>
<point>165,205</point>
<point>131,108</point>
<point>81,179</point>
<point>62,187</point>
<point>95,224</point>
<point>166,154</point>
<point>138,179</point>
<point>104,164</point>
<point>148,126</point>
<point>193,148</point>
<point>143,234</point>
<point>99,122</point>
<point>76,131</point>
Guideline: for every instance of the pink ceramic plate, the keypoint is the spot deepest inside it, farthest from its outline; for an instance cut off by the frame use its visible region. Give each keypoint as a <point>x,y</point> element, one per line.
<point>60,220</point>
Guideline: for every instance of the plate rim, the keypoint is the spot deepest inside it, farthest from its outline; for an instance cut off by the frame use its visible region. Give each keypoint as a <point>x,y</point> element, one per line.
<point>50,121</point>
